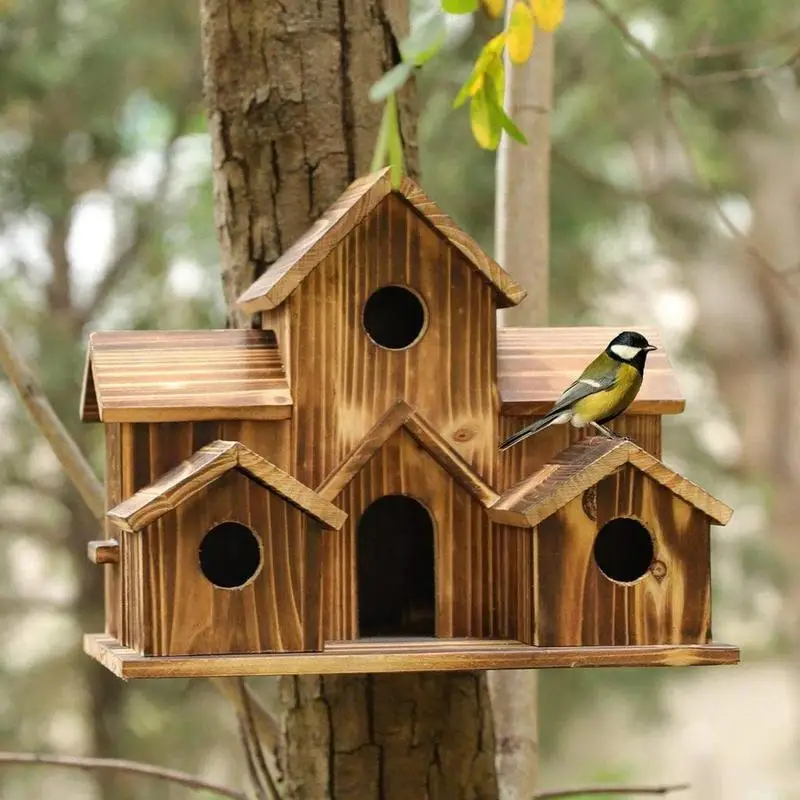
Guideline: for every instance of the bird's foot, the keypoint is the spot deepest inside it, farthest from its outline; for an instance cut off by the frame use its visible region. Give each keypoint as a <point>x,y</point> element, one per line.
<point>607,432</point>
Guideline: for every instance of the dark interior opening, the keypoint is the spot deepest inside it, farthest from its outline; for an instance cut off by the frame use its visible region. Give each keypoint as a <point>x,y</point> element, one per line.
<point>396,579</point>
<point>394,317</point>
<point>230,555</point>
<point>623,549</point>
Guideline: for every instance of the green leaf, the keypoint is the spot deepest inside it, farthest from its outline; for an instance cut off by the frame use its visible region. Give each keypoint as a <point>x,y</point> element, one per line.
<point>490,52</point>
<point>460,6</point>
<point>499,116</point>
<point>390,82</point>
<point>395,143</point>
<point>484,123</point>
<point>428,33</point>
<point>382,143</point>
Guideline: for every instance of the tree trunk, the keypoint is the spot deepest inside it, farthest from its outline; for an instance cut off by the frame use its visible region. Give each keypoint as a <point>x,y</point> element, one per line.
<point>286,87</point>
<point>522,244</point>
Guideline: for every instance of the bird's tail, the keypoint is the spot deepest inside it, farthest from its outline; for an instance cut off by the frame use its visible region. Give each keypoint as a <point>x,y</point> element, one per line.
<point>551,418</point>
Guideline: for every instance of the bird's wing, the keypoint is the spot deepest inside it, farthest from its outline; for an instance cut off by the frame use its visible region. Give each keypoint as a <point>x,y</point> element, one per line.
<point>583,387</point>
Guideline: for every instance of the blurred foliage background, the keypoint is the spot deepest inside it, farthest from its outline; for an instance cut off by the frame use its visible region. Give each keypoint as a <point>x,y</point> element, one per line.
<point>106,222</point>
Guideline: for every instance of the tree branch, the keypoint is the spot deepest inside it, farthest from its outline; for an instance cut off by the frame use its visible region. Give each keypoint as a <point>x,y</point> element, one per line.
<point>120,765</point>
<point>620,790</point>
<point>750,74</point>
<point>66,451</point>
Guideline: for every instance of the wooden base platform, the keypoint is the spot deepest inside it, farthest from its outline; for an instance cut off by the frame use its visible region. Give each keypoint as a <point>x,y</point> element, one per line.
<point>405,655</point>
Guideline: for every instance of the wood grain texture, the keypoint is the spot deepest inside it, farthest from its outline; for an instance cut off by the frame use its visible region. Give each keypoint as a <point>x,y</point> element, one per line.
<point>403,656</point>
<point>535,365</point>
<point>356,204</point>
<point>173,376</point>
<point>207,465</point>
<point>112,574</point>
<point>343,382</point>
<point>402,415</point>
<point>463,543</point>
<point>577,604</point>
<point>146,453</point>
<point>184,614</point>
<point>105,551</point>
<point>571,472</point>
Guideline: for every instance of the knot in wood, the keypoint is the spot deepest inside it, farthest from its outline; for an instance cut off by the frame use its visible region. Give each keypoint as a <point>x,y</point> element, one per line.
<point>464,433</point>
<point>658,570</point>
<point>590,503</point>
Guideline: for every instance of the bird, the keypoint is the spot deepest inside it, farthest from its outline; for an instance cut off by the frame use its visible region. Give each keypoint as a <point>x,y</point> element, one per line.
<point>603,391</point>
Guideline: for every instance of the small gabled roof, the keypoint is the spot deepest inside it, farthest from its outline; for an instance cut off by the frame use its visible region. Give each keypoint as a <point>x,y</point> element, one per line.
<point>402,415</point>
<point>583,465</point>
<point>358,201</point>
<point>535,365</point>
<point>180,376</point>
<point>206,465</point>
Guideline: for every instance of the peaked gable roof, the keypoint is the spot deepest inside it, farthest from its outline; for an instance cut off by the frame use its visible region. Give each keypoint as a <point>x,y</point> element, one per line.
<point>206,465</point>
<point>535,365</point>
<point>358,201</point>
<point>402,415</point>
<point>574,470</point>
<point>177,376</point>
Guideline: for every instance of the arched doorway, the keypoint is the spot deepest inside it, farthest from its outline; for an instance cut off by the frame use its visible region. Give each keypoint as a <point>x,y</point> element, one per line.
<point>395,563</point>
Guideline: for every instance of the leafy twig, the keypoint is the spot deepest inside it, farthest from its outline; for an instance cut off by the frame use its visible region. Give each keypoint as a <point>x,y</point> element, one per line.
<point>620,790</point>
<point>121,765</point>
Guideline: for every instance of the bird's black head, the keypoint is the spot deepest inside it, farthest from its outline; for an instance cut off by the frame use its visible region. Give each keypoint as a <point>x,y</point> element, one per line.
<point>630,347</point>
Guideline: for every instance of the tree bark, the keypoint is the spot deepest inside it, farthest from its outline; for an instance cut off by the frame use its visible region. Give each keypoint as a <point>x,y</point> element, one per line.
<point>522,244</point>
<point>286,87</point>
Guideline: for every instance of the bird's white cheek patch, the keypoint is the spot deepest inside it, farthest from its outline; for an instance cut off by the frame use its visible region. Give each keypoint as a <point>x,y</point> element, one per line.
<point>625,351</point>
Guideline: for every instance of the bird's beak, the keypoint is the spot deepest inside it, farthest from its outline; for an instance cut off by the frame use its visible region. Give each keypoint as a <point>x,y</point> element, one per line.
<point>651,347</point>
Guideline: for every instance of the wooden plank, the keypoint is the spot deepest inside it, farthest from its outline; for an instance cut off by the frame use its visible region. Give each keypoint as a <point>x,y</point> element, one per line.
<point>112,577</point>
<point>535,365</point>
<point>356,204</point>
<point>376,657</point>
<point>343,383</point>
<point>462,533</point>
<point>192,616</point>
<point>574,470</point>
<point>173,376</point>
<point>290,488</point>
<point>172,488</point>
<point>670,604</point>
<point>105,551</point>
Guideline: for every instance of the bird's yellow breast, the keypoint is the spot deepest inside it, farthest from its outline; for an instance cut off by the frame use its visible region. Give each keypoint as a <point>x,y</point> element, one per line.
<point>613,401</point>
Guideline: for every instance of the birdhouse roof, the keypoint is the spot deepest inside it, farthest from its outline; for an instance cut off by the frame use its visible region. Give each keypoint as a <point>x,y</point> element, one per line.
<point>177,376</point>
<point>535,365</point>
<point>402,415</point>
<point>206,465</point>
<point>576,469</point>
<point>358,201</point>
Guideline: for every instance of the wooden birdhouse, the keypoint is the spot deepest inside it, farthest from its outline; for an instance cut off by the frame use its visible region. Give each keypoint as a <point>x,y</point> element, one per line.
<point>326,494</point>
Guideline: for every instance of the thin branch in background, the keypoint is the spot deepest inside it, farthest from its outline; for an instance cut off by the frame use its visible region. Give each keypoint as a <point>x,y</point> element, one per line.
<point>260,774</point>
<point>762,261</point>
<point>748,74</point>
<point>641,791</point>
<point>668,75</point>
<point>66,451</point>
<point>737,48</point>
<point>120,765</point>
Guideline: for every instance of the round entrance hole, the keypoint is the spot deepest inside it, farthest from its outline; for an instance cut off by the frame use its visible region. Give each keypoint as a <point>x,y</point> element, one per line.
<point>623,550</point>
<point>394,317</point>
<point>230,555</point>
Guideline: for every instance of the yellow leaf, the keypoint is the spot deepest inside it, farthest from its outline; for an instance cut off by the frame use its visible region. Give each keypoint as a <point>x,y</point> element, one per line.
<point>549,13</point>
<point>493,8</point>
<point>497,73</point>
<point>520,33</point>
<point>484,127</point>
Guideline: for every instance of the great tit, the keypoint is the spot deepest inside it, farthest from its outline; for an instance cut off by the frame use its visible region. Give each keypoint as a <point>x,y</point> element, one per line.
<point>604,390</point>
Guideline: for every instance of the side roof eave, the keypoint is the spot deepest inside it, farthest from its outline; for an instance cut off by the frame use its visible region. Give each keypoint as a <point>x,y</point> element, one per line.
<point>359,200</point>
<point>206,465</point>
<point>582,466</point>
